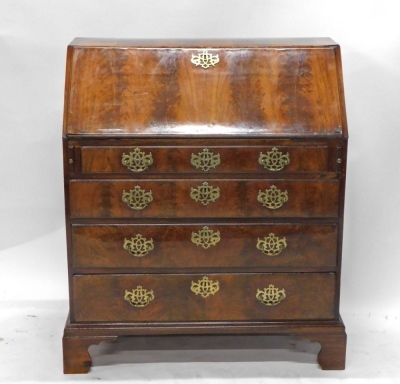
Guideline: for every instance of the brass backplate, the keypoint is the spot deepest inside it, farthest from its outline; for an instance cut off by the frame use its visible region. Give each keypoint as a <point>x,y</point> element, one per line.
<point>270,296</point>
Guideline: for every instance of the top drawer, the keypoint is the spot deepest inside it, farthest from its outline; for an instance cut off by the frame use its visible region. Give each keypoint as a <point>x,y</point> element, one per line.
<point>207,159</point>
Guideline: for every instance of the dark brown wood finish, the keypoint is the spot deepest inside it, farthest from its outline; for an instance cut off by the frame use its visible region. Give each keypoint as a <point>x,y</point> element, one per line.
<point>76,352</point>
<point>249,92</point>
<point>329,334</point>
<point>232,159</point>
<point>262,94</point>
<point>101,298</point>
<point>103,199</point>
<point>101,246</point>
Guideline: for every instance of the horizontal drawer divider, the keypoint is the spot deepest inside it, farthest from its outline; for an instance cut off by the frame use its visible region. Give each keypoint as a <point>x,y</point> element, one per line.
<point>204,221</point>
<point>242,178</point>
<point>201,271</point>
<point>210,176</point>
<point>212,273</point>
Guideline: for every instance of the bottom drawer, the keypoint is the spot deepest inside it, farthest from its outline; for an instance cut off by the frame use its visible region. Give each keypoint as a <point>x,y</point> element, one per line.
<point>195,297</point>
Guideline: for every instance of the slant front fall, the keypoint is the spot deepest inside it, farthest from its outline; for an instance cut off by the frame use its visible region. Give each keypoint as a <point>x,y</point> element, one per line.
<point>251,91</point>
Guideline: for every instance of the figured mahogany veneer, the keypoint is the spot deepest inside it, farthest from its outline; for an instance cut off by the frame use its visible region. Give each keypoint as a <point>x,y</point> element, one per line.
<point>139,114</point>
<point>303,159</point>
<point>307,246</point>
<point>157,91</point>
<point>171,198</point>
<point>101,297</point>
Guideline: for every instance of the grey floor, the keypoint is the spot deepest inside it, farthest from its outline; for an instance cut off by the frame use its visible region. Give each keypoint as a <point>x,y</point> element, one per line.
<point>30,351</point>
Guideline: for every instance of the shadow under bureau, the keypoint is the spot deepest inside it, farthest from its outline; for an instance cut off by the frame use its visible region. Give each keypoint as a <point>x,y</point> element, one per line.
<point>204,190</point>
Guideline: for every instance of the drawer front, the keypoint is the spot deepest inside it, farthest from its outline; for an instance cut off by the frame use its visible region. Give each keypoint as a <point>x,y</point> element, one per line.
<point>214,297</point>
<point>204,246</point>
<point>200,198</point>
<point>260,159</point>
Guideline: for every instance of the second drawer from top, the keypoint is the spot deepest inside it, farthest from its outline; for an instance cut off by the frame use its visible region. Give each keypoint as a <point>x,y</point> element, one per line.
<point>199,198</point>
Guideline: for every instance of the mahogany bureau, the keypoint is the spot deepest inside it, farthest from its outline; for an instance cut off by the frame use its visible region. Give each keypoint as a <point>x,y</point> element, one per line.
<point>204,189</point>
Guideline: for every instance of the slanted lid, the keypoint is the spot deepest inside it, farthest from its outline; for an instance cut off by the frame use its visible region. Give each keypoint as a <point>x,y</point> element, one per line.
<point>278,87</point>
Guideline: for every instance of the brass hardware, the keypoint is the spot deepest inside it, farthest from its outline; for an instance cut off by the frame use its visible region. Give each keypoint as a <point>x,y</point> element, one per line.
<point>271,245</point>
<point>205,59</point>
<point>137,161</point>
<point>273,197</point>
<point>205,193</point>
<point>270,296</point>
<point>137,198</point>
<point>138,246</point>
<point>70,161</point>
<point>206,237</point>
<point>139,297</point>
<point>274,160</point>
<point>205,287</point>
<point>205,160</point>
<point>339,161</point>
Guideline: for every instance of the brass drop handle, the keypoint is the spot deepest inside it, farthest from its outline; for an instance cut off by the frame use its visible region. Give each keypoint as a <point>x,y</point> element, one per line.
<point>205,160</point>
<point>137,198</point>
<point>271,296</point>
<point>273,197</point>
<point>274,160</point>
<point>139,297</point>
<point>205,237</point>
<point>205,193</point>
<point>137,161</point>
<point>138,246</point>
<point>271,245</point>
<point>205,287</point>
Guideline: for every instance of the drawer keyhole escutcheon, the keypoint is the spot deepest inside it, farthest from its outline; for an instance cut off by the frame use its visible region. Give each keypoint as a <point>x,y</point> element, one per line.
<point>205,287</point>
<point>270,296</point>
<point>205,193</point>
<point>137,161</point>
<point>205,160</point>
<point>139,297</point>
<point>205,237</point>
<point>138,246</point>
<point>274,160</point>
<point>205,59</point>
<point>271,245</point>
<point>273,197</point>
<point>137,198</point>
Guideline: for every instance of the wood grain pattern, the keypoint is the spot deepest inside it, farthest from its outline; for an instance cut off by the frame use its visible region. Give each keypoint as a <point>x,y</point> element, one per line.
<point>103,199</point>
<point>332,355</point>
<point>100,246</point>
<point>263,93</point>
<point>130,91</point>
<point>303,159</point>
<point>76,357</point>
<point>101,298</point>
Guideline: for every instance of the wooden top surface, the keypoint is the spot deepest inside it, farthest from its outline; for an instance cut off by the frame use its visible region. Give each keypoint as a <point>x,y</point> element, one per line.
<point>258,88</point>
